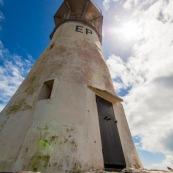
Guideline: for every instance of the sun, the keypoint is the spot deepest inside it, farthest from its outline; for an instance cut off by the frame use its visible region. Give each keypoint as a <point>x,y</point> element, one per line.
<point>130,30</point>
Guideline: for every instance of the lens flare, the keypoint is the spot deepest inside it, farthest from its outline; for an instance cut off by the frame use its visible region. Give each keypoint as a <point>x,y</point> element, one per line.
<point>130,31</point>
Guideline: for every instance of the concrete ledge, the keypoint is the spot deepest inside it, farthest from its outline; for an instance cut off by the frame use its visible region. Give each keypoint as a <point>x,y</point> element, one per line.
<point>106,95</point>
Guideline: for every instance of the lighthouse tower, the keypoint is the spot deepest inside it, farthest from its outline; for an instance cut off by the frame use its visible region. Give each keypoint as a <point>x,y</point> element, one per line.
<point>66,116</point>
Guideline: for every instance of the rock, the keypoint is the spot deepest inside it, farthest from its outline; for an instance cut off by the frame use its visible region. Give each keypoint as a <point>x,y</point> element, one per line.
<point>131,170</point>
<point>27,172</point>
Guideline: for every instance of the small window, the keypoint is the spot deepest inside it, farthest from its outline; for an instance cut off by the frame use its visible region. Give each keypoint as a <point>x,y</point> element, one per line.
<point>46,90</point>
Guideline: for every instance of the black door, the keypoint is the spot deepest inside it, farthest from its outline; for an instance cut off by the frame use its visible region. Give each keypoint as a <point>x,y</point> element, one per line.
<point>111,144</point>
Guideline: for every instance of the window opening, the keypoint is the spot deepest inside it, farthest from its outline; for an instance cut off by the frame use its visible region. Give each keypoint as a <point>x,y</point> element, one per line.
<point>46,90</point>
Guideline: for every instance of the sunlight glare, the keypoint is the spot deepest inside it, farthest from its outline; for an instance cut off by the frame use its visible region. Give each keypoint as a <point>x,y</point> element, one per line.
<point>130,31</point>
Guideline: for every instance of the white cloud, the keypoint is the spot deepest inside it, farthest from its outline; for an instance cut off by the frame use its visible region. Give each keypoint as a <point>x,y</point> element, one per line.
<point>149,74</point>
<point>106,4</point>
<point>12,72</point>
<point>140,4</point>
<point>165,14</point>
<point>128,4</point>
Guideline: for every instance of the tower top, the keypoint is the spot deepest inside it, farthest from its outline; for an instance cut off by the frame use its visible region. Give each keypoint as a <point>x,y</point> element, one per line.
<point>85,11</point>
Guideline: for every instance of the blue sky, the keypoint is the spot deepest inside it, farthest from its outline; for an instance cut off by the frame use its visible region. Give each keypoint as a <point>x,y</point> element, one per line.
<point>138,48</point>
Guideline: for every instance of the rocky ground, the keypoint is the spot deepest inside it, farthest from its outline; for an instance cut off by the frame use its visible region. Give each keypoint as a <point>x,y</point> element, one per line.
<point>134,171</point>
<point>123,171</point>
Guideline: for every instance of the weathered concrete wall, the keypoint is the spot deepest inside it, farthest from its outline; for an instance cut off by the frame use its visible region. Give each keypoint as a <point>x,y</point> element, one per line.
<point>130,153</point>
<point>61,134</point>
<point>63,138</point>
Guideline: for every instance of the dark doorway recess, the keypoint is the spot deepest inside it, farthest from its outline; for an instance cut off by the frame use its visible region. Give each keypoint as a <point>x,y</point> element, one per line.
<point>111,145</point>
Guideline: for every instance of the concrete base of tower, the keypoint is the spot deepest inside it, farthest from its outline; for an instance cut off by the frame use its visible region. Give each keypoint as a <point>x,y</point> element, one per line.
<point>59,139</point>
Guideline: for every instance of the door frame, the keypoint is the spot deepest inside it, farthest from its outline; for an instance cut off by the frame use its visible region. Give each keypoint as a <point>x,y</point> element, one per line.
<point>110,166</point>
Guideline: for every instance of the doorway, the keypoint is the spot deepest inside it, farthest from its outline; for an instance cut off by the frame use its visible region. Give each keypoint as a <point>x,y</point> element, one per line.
<point>111,145</point>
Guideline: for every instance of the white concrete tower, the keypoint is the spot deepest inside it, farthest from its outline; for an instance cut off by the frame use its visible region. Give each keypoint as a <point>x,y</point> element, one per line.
<point>65,116</point>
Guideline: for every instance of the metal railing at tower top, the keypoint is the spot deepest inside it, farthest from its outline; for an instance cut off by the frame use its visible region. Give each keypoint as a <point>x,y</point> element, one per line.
<point>96,6</point>
<point>83,17</point>
<point>86,12</point>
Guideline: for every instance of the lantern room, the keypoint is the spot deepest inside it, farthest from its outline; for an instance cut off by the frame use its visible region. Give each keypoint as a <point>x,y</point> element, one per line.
<point>85,11</point>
